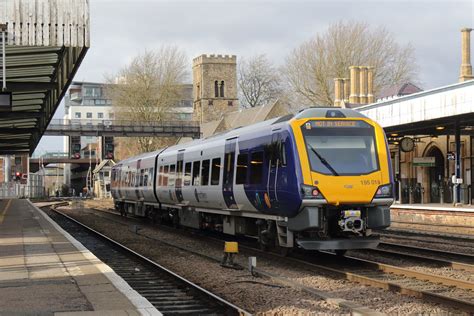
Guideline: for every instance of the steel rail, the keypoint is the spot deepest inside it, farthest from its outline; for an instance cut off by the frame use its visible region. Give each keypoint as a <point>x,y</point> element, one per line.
<point>226,305</point>
<point>413,283</point>
<point>355,308</point>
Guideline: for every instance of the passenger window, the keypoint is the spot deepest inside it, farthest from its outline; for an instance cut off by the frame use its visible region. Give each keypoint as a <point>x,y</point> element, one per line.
<point>145,178</point>
<point>172,176</point>
<point>205,172</point>
<point>283,154</point>
<point>142,178</point>
<point>187,173</point>
<point>160,176</point>
<point>256,168</point>
<point>150,176</point>
<point>216,170</point>
<point>196,166</point>
<point>165,176</point>
<point>242,166</point>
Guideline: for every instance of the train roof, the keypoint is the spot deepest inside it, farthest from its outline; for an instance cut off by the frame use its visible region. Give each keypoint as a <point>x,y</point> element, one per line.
<point>329,112</point>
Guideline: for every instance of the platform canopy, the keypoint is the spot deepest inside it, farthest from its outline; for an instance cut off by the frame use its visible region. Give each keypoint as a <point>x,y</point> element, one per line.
<point>46,41</point>
<point>432,112</point>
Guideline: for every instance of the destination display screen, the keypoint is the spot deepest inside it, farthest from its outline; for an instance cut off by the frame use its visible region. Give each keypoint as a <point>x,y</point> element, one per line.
<point>336,124</point>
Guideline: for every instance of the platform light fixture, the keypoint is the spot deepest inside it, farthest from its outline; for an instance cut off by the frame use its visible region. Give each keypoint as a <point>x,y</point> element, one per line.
<point>440,128</point>
<point>394,134</point>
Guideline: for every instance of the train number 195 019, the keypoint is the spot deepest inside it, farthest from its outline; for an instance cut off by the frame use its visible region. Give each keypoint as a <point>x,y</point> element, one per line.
<point>370,182</point>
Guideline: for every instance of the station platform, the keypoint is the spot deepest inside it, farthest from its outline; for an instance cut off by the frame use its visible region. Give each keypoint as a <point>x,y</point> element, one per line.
<point>45,271</point>
<point>439,218</point>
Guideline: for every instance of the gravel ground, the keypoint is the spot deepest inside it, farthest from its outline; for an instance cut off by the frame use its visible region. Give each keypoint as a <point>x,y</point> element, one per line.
<point>239,288</point>
<point>437,243</point>
<point>415,265</point>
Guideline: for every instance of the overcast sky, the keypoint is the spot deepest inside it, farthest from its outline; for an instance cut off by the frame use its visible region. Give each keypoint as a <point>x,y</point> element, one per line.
<point>122,29</point>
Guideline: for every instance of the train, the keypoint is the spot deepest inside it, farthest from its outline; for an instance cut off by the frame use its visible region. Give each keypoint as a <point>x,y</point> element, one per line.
<point>319,180</point>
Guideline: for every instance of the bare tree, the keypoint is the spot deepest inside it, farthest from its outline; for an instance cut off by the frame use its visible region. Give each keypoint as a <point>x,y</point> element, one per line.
<point>311,68</point>
<point>259,83</point>
<point>147,89</point>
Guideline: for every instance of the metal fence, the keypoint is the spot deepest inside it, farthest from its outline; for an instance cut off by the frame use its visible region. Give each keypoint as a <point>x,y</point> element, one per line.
<point>33,189</point>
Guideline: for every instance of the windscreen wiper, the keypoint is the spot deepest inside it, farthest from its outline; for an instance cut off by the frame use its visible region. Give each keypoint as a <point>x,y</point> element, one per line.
<point>324,161</point>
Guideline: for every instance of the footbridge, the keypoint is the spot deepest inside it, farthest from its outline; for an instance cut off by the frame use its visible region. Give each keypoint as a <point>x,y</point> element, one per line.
<point>123,128</point>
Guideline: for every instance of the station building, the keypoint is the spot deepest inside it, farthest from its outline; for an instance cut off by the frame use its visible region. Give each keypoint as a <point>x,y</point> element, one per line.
<point>431,133</point>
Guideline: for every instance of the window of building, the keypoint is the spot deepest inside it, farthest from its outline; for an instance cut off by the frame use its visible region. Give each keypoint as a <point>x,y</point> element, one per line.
<point>229,103</point>
<point>210,102</point>
<point>100,115</point>
<point>216,89</point>
<point>256,167</point>
<point>89,115</point>
<point>242,167</point>
<point>172,176</point>
<point>205,172</point>
<point>77,115</point>
<point>222,89</point>
<point>196,166</point>
<point>216,171</point>
<point>187,173</point>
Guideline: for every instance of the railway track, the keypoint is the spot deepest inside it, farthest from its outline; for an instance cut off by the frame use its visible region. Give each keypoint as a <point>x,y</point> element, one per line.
<point>448,291</point>
<point>167,291</point>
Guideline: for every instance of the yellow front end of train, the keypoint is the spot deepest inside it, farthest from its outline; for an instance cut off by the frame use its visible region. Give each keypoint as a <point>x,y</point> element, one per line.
<point>346,159</point>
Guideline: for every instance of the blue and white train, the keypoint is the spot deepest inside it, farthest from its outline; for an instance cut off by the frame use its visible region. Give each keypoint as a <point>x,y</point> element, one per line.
<point>321,179</point>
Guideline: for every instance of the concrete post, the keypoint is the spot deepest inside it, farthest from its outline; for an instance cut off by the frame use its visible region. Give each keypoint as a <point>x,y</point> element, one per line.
<point>370,85</point>
<point>338,91</point>
<point>362,85</point>
<point>346,83</point>
<point>354,95</point>
<point>466,68</point>
<point>7,172</point>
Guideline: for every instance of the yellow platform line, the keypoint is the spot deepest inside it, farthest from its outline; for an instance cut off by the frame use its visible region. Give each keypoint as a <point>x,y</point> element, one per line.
<point>4,211</point>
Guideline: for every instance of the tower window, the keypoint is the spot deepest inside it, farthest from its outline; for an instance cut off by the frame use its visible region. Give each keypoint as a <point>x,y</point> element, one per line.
<point>216,89</point>
<point>222,89</point>
<point>229,103</point>
<point>210,102</point>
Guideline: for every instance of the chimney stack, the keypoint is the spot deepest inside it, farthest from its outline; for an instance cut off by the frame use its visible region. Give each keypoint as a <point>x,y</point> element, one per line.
<point>466,68</point>
<point>363,85</point>
<point>346,82</point>
<point>338,92</point>
<point>370,85</point>
<point>354,95</point>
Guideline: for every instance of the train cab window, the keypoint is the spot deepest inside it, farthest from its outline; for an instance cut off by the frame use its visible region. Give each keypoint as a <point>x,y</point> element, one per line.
<point>205,172</point>
<point>160,176</point>
<point>196,166</point>
<point>172,175</point>
<point>187,173</point>
<point>256,167</point>
<point>242,166</point>
<point>216,171</point>
<point>165,176</point>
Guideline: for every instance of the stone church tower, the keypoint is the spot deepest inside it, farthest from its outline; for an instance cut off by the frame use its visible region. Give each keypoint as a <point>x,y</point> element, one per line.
<point>214,86</point>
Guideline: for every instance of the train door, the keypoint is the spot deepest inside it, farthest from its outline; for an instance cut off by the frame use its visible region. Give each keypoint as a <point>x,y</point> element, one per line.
<point>136,183</point>
<point>179,176</point>
<point>228,174</point>
<point>274,162</point>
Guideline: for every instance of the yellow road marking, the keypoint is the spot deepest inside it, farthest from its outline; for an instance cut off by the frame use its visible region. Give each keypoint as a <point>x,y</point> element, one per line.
<point>2,216</point>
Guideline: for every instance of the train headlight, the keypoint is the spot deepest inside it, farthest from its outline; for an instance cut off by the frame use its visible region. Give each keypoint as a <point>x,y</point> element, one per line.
<point>310,192</point>
<point>384,191</point>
